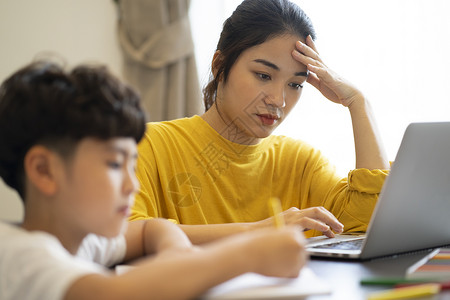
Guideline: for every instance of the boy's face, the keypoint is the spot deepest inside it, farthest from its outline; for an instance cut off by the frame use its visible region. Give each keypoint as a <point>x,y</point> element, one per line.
<point>98,185</point>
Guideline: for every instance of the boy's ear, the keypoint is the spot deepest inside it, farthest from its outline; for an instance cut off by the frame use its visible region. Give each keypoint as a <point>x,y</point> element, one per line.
<point>40,169</point>
<point>216,63</point>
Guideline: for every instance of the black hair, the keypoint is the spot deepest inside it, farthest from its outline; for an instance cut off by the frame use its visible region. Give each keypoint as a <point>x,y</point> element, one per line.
<point>44,104</point>
<point>252,23</point>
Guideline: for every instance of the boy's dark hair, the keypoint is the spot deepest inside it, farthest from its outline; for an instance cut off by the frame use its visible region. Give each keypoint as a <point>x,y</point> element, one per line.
<point>252,23</point>
<point>43,104</point>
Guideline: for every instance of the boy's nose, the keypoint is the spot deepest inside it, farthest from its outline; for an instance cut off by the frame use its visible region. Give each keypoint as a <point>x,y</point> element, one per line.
<point>131,183</point>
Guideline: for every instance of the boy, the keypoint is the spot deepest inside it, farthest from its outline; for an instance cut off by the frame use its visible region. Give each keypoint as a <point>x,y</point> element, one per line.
<point>68,146</point>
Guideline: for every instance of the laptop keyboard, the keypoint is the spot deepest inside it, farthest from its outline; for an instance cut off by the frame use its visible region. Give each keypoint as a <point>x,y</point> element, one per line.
<point>343,245</point>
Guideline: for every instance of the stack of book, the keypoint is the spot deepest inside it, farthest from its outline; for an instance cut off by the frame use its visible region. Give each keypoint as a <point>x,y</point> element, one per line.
<point>435,266</point>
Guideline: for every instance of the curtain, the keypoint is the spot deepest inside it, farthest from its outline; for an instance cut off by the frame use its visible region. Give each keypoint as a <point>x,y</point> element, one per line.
<point>156,41</point>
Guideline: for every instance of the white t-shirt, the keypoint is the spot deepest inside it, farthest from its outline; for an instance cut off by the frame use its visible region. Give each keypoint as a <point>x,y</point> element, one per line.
<point>34,265</point>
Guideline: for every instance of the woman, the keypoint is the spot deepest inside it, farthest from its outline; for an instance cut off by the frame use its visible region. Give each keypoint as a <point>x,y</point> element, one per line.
<point>215,172</point>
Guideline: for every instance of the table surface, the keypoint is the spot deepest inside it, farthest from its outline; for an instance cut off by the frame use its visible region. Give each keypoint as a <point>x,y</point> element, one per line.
<point>344,275</point>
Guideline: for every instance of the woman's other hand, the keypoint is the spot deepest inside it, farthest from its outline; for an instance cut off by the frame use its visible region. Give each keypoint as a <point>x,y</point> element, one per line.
<point>330,84</point>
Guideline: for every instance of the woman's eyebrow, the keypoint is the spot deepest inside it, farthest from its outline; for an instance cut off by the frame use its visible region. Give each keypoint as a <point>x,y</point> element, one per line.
<point>302,73</point>
<point>275,67</point>
<point>267,63</point>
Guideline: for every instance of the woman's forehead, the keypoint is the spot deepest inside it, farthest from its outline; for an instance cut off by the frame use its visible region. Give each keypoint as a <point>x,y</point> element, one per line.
<point>277,50</point>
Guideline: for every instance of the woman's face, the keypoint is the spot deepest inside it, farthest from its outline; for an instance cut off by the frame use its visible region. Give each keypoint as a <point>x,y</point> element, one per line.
<point>263,86</point>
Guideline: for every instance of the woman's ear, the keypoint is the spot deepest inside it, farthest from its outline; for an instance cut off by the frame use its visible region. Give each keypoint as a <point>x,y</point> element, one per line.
<point>40,169</point>
<point>216,63</point>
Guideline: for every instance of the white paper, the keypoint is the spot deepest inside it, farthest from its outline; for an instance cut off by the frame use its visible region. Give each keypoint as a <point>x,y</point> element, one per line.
<point>255,286</point>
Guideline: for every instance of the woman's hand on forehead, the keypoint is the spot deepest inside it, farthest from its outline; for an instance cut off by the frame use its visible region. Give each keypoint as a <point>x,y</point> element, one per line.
<point>329,83</point>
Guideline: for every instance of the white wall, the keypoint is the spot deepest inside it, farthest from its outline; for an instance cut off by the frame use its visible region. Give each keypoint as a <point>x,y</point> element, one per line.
<point>395,51</point>
<point>76,30</point>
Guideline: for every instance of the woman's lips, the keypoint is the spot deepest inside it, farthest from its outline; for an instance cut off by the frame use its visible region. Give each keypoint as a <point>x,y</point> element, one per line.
<point>268,119</point>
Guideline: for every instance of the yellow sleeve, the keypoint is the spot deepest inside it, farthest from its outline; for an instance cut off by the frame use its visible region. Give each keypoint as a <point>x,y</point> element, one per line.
<point>353,199</point>
<point>350,199</point>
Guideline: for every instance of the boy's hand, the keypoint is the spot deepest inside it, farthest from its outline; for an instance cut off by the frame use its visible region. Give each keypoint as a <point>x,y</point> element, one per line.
<point>276,252</point>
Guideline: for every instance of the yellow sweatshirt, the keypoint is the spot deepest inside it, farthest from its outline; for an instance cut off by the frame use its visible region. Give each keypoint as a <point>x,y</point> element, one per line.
<point>190,173</point>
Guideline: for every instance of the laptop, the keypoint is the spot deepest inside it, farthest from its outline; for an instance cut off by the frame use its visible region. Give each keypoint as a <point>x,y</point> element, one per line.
<point>413,209</point>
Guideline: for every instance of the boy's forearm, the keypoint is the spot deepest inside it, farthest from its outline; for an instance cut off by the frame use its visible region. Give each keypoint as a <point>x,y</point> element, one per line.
<point>186,276</point>
<point>270,252</point>
<point>168,277</point>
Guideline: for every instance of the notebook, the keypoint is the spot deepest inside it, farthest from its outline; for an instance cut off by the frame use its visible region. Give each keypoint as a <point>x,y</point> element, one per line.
<point>413,209</point>
<point>251,286</point>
